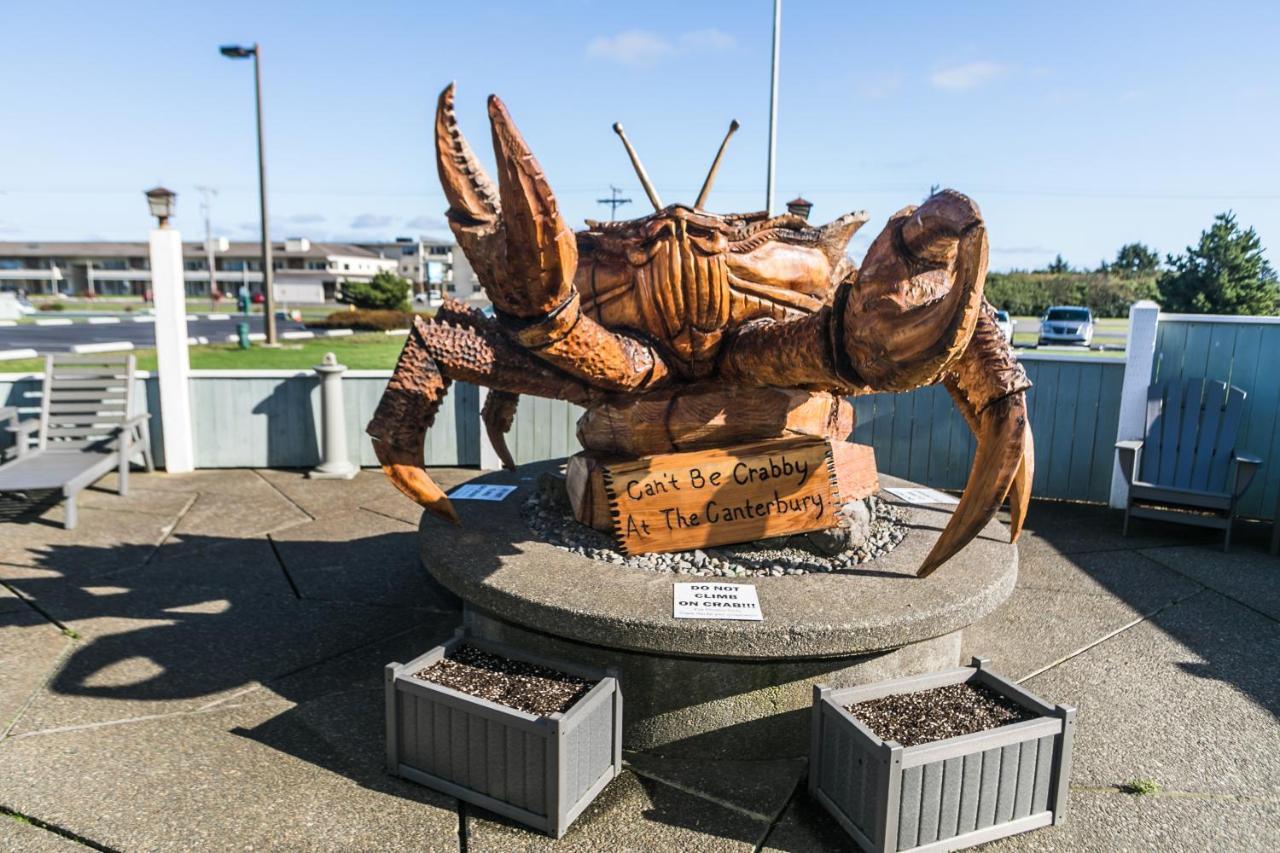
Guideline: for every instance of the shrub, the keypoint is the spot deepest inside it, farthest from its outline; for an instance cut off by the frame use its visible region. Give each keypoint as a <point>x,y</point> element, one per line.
<point>364,320</point>
<point>386,292</point>
<point>1030,293</point>
<point>52,306</point>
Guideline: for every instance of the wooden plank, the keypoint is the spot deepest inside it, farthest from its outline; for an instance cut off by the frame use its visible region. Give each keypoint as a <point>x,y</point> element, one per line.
<point>921,402</point>
<point>1215,394</point>
<point>1063,434</point>
<point>1188,429</point>
<point>1195,354</point>
<point>1083,430</point>
<point>1105,435</point>
<point>1220,467</point>
<point>1171,424</point>
<point>679,501</point>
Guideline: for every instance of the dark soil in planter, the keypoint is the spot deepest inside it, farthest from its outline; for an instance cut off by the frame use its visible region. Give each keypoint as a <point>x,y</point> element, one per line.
<point>958,709</point>
<point>516,684</point>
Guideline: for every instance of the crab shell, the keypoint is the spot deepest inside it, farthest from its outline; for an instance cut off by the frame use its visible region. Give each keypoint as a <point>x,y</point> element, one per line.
<point>685,277</point>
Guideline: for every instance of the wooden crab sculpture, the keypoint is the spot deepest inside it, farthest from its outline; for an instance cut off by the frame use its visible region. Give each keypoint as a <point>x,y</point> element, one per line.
<point>686,296</point>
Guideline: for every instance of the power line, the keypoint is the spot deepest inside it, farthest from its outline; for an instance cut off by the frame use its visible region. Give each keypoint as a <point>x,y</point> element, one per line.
<point>613,201</point>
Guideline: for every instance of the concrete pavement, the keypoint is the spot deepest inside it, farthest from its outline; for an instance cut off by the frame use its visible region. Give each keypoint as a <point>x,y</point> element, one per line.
<point>199,666</point>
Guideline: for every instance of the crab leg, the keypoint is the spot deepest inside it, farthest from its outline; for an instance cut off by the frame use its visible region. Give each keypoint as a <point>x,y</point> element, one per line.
<point>525,255</point>
<point>463,345</point>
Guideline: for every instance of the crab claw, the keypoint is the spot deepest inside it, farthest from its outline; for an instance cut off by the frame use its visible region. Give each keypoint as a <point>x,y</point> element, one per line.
<point>1001,434</point>
<point>405,471</point>
<point>989,388</point>
<point>917,297</point>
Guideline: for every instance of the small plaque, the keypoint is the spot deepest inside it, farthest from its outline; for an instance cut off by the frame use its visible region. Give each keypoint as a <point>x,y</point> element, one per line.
<point>680,501</point>
<point>481,492</point>
<point>717,601</point>
<point>922,497</point>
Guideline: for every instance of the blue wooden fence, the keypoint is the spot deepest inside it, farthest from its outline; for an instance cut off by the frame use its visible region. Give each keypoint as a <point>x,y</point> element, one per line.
<point>270,418</point>
<point>1074,406</point>
<point>1243,351</point>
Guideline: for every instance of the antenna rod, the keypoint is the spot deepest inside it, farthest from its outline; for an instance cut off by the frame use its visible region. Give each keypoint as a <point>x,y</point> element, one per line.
<point>639,167</point>
<point>773,107</point>
<point>715,166</point>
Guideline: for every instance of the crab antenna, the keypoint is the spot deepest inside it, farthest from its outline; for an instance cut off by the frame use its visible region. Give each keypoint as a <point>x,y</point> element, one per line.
<point>715,165</point>
<point>639,167</point>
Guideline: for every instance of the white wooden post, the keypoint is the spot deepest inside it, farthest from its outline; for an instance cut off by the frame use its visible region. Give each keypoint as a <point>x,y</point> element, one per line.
<point>1144,316</point>
<point>169,291</point>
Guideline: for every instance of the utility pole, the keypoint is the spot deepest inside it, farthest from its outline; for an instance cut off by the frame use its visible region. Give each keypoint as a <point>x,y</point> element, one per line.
<point>773,107</point>
<point>613,201</point>
<point>206,207</point>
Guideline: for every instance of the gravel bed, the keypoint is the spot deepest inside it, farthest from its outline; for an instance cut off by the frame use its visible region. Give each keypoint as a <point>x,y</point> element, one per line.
<point>516,684</point>
<point>550,517</point>
<point>937,714</point>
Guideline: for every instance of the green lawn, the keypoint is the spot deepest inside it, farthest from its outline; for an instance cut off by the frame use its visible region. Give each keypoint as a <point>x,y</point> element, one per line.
<point>358,352</point>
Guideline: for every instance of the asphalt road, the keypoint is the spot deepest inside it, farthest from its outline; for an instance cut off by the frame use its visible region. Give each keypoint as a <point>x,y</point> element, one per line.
<point>141,335</point>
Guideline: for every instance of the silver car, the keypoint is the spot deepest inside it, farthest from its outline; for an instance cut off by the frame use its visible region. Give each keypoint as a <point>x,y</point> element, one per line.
<point>1067,324</point>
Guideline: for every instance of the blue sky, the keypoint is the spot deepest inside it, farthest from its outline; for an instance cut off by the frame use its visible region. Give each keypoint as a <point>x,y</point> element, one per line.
<point>1077,127</point>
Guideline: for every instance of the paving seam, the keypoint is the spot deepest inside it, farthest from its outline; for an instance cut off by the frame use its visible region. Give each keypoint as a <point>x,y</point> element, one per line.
<point>1113,634</point>
<point>1225,595</point>
<point>336,655</point>
<point>773,824</point>
<point>385,515</point>
<point>31,697</point>
<point>280,492</point>
<point>17,593</point>
<point>172,527</point>
<point>146,718</point>
<point>685,789</point>
<point>275,549</point>
<point>53,828</point>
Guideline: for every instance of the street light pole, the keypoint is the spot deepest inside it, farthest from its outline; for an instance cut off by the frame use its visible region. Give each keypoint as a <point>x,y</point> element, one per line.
<point>268,270</point>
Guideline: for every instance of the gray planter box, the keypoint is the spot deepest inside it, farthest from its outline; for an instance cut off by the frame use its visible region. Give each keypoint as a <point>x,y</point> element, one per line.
<point>947,794</point>
<point>540,771</point>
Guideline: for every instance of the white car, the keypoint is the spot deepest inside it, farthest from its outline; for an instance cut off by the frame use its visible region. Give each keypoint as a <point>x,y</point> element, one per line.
<point>1067,324</point>
<point>1005,325</point>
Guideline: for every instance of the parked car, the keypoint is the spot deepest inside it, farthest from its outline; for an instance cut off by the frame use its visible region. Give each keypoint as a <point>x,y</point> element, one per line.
<point>1067,324</point>
<point>1005,325</point>
<point>258,298</point>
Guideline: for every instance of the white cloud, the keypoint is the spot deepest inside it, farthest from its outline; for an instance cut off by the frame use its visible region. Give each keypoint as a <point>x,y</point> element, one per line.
<point>643,47</point>
<point>9,228</point>
<point>967,76</point>
<point>304,218</point>
<point>371,220</point>
<point>709,40</point>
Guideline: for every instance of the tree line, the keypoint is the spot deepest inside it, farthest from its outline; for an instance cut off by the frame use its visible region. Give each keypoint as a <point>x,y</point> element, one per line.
<point>1224,273</point>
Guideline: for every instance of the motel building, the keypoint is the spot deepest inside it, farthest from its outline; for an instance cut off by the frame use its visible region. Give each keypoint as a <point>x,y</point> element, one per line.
<point>305,272</point>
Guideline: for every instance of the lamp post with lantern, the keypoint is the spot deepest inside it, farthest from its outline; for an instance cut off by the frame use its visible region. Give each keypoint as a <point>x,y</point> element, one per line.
<point>169,297</point>
<point>235,51</point>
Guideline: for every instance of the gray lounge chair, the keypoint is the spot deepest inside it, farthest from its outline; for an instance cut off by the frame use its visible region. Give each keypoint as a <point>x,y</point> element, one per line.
<point>1188,469</point>
<point>85,429</point>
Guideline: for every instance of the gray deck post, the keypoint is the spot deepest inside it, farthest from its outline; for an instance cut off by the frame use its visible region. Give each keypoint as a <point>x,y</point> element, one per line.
<point>334,464</point>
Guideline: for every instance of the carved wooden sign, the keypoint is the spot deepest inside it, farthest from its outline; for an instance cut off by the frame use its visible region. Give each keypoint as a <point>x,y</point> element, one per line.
<point>678,501</point>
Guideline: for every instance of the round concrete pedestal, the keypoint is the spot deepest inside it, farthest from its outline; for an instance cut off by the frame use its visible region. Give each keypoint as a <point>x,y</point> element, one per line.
<point>716,688</point>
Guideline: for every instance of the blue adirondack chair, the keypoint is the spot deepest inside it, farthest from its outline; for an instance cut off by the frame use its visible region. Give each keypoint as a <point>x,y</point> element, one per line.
<point>1188,469</point>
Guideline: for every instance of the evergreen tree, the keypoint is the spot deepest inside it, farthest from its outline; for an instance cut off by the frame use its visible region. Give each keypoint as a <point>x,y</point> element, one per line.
<point>1225,273</point>
<point>387,291</point>
<point>1135,259</point>
<point>1059,265</point>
